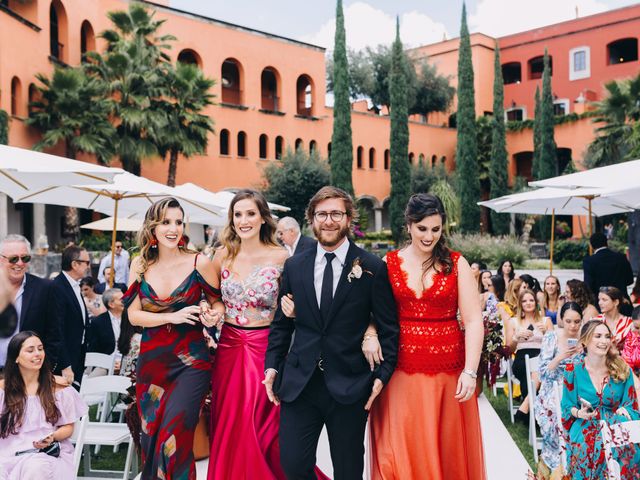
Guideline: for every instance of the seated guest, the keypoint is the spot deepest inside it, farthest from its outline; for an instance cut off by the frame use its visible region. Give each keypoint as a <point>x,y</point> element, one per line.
<point>558,350</point>
<point>550,299</point>
<point>104,330</point>
<point>523,334</point>
<point>507,308</point>
<point>597,387</point>
<point>488,299</point>
<point>102,286</point>
<point>610,301</point>
<point>505,269</point>
<point>631,352</point>
<point>534,285</point>
<point>92,300</point>
<point>476,268</point>
<point>577,291</point>
<point>129,345</point>
<point>36,410</point>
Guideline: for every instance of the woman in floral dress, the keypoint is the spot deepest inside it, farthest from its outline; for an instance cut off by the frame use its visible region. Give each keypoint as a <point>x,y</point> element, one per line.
<point>558,349</point>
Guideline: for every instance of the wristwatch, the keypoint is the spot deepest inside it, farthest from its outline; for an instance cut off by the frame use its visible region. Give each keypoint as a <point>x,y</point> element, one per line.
<point>471,373</point>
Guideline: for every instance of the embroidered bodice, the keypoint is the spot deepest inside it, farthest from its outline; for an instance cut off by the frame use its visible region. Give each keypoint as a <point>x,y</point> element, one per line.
<point>431,340</point>
<point>254,299</point>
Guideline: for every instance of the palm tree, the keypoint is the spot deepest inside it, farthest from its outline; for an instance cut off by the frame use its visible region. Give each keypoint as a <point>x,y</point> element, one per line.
<point>72,108</point>
<point>134,68</point>
<point>187,131</point>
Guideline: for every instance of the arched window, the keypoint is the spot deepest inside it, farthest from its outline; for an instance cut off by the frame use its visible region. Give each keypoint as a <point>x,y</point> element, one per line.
<point>421,159</point>
<point>372,158</point>
<point>434,159</point>
<point>536,67</point>
<point>270,85</point>
<point>87,38</point>
<point>387,159</point>
<point>329,152</point>
<point>57,30</point>
<point>622,51</point>
<point>34,95</point>
<point>242,144</point>
<point>524,162</point>
<point>359,157</point>
<point>232,82</point>
<point>279,146</point>
<point>312,146</point>
<point>298,144</point>
<point>512,72</point>
<point>224,142</point>
<point>304,96</point>
<point>412,158</point>
<point>443,159</point>
<point>16,96</point>
<point>264,145</point>
<point>191,57</point>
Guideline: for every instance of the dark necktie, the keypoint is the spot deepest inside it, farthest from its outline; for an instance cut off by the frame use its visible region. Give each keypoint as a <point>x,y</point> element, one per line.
<point>326,292</point>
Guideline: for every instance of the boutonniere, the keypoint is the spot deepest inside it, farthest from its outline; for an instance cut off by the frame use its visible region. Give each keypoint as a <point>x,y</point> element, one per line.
<point>357,270</point>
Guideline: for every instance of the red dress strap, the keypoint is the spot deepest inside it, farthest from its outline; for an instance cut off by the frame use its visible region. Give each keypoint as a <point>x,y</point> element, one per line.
<point>195,261</point>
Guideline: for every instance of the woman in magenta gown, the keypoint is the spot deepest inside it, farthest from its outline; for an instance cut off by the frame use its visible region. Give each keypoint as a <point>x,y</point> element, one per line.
<point>244,423</point>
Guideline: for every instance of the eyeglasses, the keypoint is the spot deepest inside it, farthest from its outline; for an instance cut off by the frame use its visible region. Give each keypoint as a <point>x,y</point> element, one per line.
<point>118,246</point>
<point>336,216</point>
<point>88,262</point>
<point>13,259</point>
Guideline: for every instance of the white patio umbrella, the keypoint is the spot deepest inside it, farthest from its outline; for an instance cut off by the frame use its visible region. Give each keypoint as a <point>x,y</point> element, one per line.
<point>23,171</point>
<point>619,176</point>
<point>124,224</point>
<point>128,194</point>
<point>559,201</point>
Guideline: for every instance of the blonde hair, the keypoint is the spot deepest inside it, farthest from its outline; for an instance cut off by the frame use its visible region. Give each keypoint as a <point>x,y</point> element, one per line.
<point>154,217</point>
<point>511,294</point>
<point>230,239</point>
<point>617,367</point>
<point>537,314</point>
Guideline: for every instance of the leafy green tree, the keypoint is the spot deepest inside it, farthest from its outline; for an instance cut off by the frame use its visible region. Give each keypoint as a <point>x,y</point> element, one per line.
<point>295,179</point>
<point>444,190</point>
<point>187,132</point>
<point>4,128</point>
<point>341,159</point>
<point>134,67</point>
<point>466,148</point>
<point>399,142</point>
<point>360,73</point>
<point>72,108</point>
<point>498,168</point>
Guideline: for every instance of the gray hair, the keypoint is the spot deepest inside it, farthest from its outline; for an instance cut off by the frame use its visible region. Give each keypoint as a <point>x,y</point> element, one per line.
<point>108,295</point>
<point>15,238</point>
<point>289,223</point>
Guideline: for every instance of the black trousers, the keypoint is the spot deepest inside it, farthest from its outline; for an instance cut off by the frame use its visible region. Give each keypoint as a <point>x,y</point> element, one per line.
<point>520,369</point>
<point>301,423</point>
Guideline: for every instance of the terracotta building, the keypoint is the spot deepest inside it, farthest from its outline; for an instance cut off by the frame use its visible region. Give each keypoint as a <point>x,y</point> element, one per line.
<point>270,93</point>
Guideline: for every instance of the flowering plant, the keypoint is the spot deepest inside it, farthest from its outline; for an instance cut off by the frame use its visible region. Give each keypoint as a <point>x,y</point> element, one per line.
<point>493,348</point>
<point>356,270</point>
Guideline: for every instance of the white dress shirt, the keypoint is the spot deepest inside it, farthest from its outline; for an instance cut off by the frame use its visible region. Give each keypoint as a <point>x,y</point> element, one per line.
<point>292,249</point>
<point>17,303</point>
<point>337,263</point>
<point>75,285</point>
<point>115,325</point>
<point>122,267</point>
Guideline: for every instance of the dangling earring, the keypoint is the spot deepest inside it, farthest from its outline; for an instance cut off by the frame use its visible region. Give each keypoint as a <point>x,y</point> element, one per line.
<point>182,243</point>
<point>154,242</point>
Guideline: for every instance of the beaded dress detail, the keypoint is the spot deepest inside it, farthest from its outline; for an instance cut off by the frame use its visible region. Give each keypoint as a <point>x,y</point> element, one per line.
<point>431,339</point>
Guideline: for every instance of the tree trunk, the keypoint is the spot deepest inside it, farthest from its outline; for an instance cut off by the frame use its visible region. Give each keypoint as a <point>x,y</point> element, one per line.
<point>173,167</point>
<point>130,165</point>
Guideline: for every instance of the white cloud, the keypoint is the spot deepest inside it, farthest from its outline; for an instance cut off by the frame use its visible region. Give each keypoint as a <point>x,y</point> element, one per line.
<point>368,26</point>
<point>504,17</point>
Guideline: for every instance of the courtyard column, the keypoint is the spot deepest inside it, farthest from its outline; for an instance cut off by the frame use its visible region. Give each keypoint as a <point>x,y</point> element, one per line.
<point>377,219</point>
<point>39,221</point>
<point>4,216</point>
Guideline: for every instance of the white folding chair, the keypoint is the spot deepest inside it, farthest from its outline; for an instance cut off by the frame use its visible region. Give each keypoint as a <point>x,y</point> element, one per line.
<point>79,430</point>
<point>511,381</point>
<point>104,433</point>
<point>504,365</point>
<point>531,366</point>
<point>97,360</point>
<point>617,435</point>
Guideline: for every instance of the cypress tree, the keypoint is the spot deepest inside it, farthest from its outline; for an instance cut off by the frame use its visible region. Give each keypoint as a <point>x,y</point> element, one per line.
<point>467,148</point>
<point>547,161</point>
<point>498,167</point>
<point>4,128</point>
<point>341,159</point>
<point>536,134</point>
<point>399,148</point>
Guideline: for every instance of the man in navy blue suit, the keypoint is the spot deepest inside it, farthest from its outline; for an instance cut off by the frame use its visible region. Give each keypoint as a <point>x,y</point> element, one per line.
<point>288,233</point>
<point>323,378</point>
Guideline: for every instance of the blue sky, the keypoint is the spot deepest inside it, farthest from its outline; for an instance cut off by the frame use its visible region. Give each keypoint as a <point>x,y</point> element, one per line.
<point>370,22</point>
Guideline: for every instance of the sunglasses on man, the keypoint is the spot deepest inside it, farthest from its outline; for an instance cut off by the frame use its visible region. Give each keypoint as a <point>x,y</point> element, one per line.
<point>13,259</point>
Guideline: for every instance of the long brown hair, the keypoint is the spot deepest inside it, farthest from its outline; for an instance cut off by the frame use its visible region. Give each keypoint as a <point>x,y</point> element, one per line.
<point>537,314</point>
<point>154,217</point>
<point>617,367</point>
<point>511,295</point>
<point>546,294</point>
<point>580,292</point>
<point>420,206</point>
<point>230,239</point>
<point>15,392</point>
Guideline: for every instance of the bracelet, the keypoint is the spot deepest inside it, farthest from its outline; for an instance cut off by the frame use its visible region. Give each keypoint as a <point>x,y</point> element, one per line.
<point>471,373</point>
<point>367,337</point>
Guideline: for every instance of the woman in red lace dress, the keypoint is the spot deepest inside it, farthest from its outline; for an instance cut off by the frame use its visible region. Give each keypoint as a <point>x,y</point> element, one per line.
<point>425,423</point>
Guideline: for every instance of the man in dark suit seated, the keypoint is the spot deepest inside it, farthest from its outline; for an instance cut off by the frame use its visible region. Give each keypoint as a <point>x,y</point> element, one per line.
<point>101,287</point>
<point>288,233</point>
<point>72,313</point>
<point>32,298</point>
<point>104,329</point>
<point>606,268</point>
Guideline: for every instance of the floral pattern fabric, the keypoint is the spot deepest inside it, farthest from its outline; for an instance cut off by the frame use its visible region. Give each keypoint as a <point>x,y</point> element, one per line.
<point>254,299</point>
<point>585,452</point>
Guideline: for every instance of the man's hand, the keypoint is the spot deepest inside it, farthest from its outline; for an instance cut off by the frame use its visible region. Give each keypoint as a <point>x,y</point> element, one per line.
<point>375,391</point>
<point>269,378</point>
<point>67,374</point>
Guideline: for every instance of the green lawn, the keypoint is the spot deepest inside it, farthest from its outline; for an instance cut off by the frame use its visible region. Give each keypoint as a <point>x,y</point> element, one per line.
<point>518,431</point>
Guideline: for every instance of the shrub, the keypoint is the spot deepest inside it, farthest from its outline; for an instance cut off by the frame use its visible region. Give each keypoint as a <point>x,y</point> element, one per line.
<point>570,251</point>
<point>490,250</point>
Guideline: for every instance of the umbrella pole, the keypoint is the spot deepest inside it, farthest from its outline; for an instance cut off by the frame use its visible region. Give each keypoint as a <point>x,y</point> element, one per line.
<point>590,226</point>
<point>113,244</point>
<point>553,231</point>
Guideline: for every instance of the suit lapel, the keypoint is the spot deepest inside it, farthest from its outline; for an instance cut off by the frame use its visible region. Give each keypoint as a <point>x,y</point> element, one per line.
<point>344,286</point>
<point>27,296</point>
<point>72,296</point>
<point>308,267</point>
